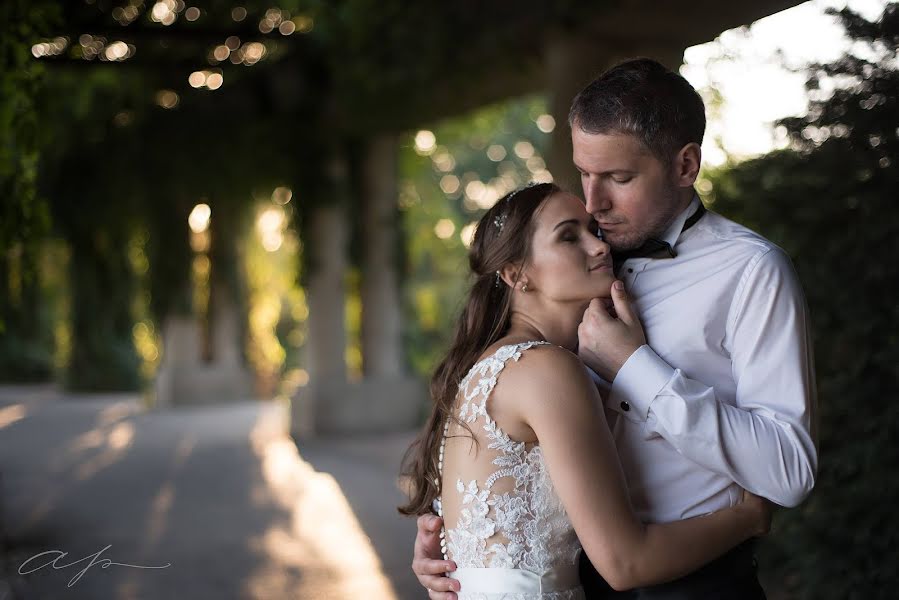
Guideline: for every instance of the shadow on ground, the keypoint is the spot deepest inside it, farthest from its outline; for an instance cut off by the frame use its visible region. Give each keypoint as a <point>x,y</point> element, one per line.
<point>219,494</point>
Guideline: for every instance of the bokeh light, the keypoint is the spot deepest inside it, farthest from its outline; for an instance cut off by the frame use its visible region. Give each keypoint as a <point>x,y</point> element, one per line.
<point>496,153</point>
<point>270,225</point>
<point>123,118</point>
<point>214,81</point>
<point>467,234</point>
<point>116,51</point>
<point>449,184</point>
<point>282,195</point>
<point>166,11</point>
<point>197,79</point>
<point>167,99</point>
<point>199,218</point>
<point>425,142</point>
<point>304,24</point>
<point>249,54</point>
<point>125,15</point>
<point>52,48</point>
<point>238,13</point>
<point>444,161</point>
<point>444,229</point>
<point>524,149</point>
<point>546,123</point>
<point>535,164</point>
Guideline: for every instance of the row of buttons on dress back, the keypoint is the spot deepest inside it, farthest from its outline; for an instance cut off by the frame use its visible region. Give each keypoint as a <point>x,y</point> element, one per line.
<point>439,499</point>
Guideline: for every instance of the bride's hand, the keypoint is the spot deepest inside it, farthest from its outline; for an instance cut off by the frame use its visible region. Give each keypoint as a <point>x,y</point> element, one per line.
<point>761,509</point>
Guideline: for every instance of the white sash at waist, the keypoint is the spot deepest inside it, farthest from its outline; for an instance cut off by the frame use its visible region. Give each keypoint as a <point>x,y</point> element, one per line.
<point>512,581</point>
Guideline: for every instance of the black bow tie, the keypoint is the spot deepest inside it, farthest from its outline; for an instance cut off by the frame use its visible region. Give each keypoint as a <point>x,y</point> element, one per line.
<point>654,247</point>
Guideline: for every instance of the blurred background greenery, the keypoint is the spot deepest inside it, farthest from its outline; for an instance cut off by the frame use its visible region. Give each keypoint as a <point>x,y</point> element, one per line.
<point>101,166</point>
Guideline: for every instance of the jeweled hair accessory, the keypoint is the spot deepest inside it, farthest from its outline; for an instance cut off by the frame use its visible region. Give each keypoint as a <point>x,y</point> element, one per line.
<point>500,219</point>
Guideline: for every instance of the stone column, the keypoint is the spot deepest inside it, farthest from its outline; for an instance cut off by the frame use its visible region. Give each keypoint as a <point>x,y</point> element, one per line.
<point>326,361</point>
<point>387,398</point>
<point>180,354</point>
<point>324,397</point>
<point>225,328</point>
<point>183,377</point>
<point>382,351</point>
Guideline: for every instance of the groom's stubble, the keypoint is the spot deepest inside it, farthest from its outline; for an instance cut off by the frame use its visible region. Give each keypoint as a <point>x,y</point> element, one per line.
<point>668,209</point>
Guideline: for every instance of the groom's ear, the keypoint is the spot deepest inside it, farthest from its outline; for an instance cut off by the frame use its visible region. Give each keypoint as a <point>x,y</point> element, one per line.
<point>511,274</point>
<point>685,165</point>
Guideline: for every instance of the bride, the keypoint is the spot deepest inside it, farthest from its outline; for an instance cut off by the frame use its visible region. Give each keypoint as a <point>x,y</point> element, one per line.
<point>516,456</point>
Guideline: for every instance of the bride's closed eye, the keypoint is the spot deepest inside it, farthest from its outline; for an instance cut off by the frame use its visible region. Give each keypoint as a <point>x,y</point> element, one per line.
<point>572,235</point>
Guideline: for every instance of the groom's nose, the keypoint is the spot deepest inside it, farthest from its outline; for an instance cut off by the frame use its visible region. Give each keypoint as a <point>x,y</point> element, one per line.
<point>597,200</point>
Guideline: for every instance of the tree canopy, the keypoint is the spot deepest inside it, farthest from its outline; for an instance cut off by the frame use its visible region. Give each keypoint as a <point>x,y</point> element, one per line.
<point>830,202</point>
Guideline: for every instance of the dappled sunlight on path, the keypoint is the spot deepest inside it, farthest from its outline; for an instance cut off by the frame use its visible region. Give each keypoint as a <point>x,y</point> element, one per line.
<point>323,537</point>
<point>220,493</point>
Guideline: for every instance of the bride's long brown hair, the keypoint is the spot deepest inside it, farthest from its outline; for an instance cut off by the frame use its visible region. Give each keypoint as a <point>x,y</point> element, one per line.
<point>503,236</point>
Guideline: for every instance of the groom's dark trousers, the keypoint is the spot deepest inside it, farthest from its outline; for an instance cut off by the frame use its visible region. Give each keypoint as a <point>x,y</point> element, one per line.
<point>730,577</point>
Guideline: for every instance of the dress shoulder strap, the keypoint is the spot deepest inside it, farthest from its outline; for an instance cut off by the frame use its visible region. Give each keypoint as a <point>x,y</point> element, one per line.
<point>481,379</point>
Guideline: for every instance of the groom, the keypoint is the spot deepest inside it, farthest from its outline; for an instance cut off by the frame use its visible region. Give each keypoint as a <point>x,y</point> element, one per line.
<point>721,396</point>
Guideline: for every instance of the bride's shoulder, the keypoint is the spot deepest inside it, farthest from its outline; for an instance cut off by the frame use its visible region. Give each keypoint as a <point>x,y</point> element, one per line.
<point>547,384</point>
<point>536,378</point>
<point>546,368</point>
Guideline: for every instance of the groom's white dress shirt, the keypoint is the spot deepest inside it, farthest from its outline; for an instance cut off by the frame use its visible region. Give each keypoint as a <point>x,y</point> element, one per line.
<point>723,394</point>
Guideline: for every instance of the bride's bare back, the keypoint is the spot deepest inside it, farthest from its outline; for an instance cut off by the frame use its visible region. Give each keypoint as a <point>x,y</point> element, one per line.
<point>504,524</point>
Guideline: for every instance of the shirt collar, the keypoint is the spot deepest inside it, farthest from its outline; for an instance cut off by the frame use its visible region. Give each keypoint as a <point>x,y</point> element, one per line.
<point>674,230</point>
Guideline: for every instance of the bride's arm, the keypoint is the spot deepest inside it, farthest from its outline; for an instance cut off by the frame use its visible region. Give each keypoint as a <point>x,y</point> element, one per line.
<point>556,399</point>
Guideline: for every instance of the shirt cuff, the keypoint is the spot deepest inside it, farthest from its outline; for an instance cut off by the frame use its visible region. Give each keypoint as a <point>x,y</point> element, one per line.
<point>638,382</point>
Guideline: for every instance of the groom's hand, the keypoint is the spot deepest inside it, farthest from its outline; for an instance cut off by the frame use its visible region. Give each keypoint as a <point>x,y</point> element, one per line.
<point>428,564</point>
<point>763,510</point>
<point>606,342</point>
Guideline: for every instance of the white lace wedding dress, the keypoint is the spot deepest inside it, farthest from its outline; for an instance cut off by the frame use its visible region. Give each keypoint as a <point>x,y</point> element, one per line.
<point>504,525</point>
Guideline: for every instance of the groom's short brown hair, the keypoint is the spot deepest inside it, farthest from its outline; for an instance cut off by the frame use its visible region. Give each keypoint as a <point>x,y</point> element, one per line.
<point>643,98</point>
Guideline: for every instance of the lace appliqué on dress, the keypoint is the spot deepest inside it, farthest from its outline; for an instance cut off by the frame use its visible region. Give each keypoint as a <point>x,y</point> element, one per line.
<point>530,526</point>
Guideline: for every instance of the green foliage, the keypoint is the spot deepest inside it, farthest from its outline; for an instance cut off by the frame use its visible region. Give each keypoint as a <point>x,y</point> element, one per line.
<point>96,202</point>
<point>103,356</point>
<point>117,166</point>
<point>395,64</point>
<point>22,217</point>
<point>26,345</point>
<point>437,268</point>
<point>112,160</point>
<point>830,202</point>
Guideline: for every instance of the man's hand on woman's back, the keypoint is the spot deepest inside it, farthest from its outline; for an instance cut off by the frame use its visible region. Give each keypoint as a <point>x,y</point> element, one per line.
<point>428,563</point>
